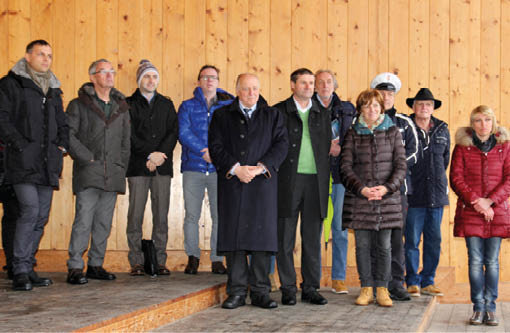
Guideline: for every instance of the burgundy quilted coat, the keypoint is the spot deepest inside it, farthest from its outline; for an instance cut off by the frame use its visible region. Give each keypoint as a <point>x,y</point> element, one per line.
<point>475,174</point>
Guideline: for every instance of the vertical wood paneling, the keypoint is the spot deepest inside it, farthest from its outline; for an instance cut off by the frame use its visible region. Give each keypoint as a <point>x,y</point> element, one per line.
<point>216,32</point>
<point>378,12</point>
<point>260,42</point>
<point>337,43</point>
<point>455,47</point>
<point>19,29</point>
<point>357,70</point>
<point>399,49</point>
<point>238,47</point>
<point>280,13</point>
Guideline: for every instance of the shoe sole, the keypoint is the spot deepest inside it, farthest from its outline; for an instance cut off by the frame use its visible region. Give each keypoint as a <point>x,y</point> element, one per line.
<point>432,294</point>
<point>414,295</point>
<point>340,292</point>
<point>364,303</point>
<point>385,305</point>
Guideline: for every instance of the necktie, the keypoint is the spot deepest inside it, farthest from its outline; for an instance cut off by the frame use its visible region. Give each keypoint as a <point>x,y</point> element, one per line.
<point>247,113</point>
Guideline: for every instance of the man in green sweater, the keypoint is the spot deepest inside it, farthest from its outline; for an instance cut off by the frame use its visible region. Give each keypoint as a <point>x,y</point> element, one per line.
<point>303,188</point>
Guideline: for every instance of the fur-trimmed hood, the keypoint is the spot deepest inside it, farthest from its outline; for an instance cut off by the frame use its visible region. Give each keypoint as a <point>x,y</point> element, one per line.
<point>464,136</point>
<point>20,68</point>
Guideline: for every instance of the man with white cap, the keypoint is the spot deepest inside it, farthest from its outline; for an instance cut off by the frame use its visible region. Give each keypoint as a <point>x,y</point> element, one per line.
<point>388,84</point>
<point>154,132</point>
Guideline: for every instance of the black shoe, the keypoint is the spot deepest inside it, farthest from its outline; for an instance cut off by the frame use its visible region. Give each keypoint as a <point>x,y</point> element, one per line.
<point>21,282</point>
<point>234,301</point>
<point>38,281</point>
<point>99,273</point>
<point>399,294</point>
<point>288,299</point>
<point>192,266</point>
<point>313,297</point>
<point>263,301</point>
<point>218,268</point>
<point>75,276</point>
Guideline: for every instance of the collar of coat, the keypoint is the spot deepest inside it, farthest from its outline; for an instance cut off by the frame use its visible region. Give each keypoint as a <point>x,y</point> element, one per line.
<point>291,105</point>
<point>20,69</point>
<point>86,95</point>
<point>362,129</point>
<point>464,136</point>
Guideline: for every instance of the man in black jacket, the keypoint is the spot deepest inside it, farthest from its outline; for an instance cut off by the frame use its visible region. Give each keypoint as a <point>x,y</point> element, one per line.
<point>342,113</point>
<point>388,84</point>
<point>247,143</point>
<point>34,128</point>
<point>303,188</point>
<point>154,131</point>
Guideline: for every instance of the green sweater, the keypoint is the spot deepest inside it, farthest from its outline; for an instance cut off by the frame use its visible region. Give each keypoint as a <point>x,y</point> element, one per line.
<point>306,163</point>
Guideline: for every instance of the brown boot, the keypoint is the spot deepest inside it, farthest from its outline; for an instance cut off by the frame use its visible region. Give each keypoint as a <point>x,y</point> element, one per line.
<point>383,297</point>
<point>366,296</point>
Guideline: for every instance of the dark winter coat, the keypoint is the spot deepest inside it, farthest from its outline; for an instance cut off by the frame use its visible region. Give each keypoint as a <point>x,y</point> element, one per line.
<point>411,144</point>
<point>475,174</point>
<point>33,126</point>
<point>428,175</point>
<point>154,127</point>
<point>247,212</point>
<point>319,123</point>
<point>370,159</point>
<point>343,112</point>
<point>194,120</point>
<point>100,146</point>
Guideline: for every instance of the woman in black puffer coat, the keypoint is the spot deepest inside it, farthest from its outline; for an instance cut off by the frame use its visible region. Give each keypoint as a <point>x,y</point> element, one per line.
<point>373,167</point>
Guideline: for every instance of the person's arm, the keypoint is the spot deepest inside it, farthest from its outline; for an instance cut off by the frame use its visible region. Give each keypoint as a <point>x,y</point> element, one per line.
<point>275,156</point>
<point>458,177</point>
<point>411,141</point>
<point>502,191</point>
<point>125,149</point>
<point>77,149</point>
<point>168,143</point>
<point>223,161</point>
<point>62,126</point>
<point>446,155</point>
<point>187,137</point>
<point>398,174</point>
<point>8,104</point>
<point>350,179</point>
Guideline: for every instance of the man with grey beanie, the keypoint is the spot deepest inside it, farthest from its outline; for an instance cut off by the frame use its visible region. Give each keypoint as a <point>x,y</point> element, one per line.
<point>154,132</point>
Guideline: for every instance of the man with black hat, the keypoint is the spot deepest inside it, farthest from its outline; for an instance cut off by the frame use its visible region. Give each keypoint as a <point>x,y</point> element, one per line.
<point>430,195</point>
<point>154,133</point>
<point>388,84</point>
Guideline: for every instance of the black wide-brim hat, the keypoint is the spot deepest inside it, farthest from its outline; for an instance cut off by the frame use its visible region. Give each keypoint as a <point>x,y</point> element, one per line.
<point>424,95</point>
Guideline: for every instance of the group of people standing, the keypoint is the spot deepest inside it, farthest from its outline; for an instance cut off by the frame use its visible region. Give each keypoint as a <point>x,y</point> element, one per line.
<point>263,168</point>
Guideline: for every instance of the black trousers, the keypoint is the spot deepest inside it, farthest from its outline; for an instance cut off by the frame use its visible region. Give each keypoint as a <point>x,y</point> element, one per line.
<point>305,202</point>
<point>11,214</point>
<point>242,274</point>
<point>397,251</point>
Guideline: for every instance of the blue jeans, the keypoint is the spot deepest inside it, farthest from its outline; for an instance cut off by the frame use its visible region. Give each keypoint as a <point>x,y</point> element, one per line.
<point>428,222</point>
<point>339,260</point>
<point>484,283</point>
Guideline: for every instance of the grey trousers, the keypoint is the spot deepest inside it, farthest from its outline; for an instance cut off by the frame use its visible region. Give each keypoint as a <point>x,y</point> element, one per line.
<point>93,220</point>
<point>194,185</point>
<point>34,204</point>
<point>139,187</point>
<point>381,239</point>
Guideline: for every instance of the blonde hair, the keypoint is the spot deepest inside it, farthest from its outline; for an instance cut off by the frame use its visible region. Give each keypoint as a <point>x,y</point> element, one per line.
<point>486,111</point>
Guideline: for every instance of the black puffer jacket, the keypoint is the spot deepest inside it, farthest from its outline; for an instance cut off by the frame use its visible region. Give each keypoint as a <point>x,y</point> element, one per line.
<point>372,159</point>
<point>428,176</point>
<point>154,127</point>
<point>33,126</point>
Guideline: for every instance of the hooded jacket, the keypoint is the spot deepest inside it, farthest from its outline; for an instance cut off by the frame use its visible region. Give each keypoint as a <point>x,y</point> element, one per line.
<point>372,158</point>
<point>33,126</point>
<point>475,174</point>
<point>99,146</point>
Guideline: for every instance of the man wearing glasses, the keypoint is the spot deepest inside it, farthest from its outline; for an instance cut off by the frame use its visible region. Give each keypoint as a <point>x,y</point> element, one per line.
<point>198,172</point>
<point>99,145</point>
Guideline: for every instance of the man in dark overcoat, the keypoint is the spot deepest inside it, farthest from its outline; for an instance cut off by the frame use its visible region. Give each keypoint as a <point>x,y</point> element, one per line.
<point>303,188</point>
<point>247,144</point>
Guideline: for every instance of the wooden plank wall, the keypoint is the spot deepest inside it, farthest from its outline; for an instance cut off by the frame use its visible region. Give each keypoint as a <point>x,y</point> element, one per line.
<point>456,47</point>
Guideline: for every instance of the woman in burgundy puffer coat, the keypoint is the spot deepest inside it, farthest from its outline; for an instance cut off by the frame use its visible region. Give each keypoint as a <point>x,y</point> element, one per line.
<point>480,176</point>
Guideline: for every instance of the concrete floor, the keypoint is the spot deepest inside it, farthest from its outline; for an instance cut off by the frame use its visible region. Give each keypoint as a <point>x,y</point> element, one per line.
<point>339,315</point>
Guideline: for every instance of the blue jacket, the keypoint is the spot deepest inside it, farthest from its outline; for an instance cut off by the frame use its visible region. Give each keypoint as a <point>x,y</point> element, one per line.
<point>194,120</point>
<point>428,175</point>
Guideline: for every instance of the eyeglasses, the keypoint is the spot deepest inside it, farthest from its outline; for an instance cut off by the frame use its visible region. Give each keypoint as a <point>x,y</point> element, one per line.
<point>105,71</point>
<point>208,78</point>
